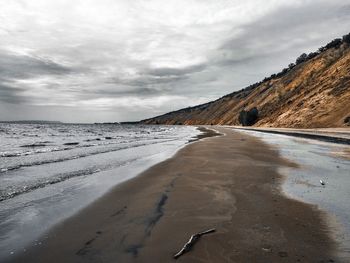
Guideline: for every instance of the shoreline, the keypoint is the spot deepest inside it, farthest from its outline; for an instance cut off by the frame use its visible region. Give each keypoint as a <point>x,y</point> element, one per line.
<point>326,135</point>
<point>27,217</point>
<point>317,161</point>
<point>228,182</point>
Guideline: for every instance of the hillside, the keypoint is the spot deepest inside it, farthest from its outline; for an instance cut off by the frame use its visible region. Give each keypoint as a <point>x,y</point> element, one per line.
<point>313,92</point>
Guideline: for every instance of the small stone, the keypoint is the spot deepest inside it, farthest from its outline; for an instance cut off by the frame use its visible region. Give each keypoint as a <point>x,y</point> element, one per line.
<point>267,249</point>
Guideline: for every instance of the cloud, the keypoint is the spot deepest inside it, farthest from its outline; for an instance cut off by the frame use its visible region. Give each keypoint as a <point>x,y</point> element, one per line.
<point>145,80</point>
<point>24,78</point>
<point>289,28</point>
<point>170,72</point>
<point>258,48</point>
<point>10,94</point>
<point>137,92</point>
<point>106,59</point>
<point>15,66</point>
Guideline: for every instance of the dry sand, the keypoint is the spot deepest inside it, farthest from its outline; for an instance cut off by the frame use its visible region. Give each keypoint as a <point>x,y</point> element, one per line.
<point>227,182</point>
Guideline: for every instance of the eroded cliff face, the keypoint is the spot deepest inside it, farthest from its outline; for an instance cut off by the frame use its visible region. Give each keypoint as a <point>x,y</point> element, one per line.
<point>313,94</point>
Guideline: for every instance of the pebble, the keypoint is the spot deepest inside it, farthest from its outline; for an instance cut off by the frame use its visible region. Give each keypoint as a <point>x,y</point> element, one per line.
<point>266,249</point>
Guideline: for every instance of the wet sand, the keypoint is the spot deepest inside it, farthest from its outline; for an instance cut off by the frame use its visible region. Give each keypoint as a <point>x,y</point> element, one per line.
<point>226,182</point>
<point>332,135</point>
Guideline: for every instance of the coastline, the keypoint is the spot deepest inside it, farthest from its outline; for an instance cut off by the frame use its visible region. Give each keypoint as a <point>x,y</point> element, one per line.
<point>330,135</point>
<point>27,217</point>
<point>317,160</point>
<point>229,182</point>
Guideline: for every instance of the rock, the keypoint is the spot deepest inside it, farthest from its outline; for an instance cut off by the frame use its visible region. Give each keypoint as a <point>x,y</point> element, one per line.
<point>267,249</point>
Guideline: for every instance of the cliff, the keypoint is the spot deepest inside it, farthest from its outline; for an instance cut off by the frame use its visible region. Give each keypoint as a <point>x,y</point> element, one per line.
<point>313,92</point>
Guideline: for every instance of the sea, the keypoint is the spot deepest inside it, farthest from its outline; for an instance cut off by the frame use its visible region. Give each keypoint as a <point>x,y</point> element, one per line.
<point>49,172</point>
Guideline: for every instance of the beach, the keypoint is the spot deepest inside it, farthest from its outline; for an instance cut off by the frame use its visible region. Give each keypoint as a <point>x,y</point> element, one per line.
<point>229,182</point>
<point>44,181</point>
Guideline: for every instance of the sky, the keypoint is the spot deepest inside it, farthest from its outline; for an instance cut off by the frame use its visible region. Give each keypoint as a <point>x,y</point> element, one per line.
<point>122,60</point>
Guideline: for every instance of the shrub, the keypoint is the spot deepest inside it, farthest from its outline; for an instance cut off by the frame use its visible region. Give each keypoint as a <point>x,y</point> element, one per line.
<point>334,43</point>
<point>248,118</point>
<point>302,58</point>
<point>346,38</point>
<point>347,120</point>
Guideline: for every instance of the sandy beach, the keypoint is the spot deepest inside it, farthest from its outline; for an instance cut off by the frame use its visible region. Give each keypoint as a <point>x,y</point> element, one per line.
<point>228,182</point>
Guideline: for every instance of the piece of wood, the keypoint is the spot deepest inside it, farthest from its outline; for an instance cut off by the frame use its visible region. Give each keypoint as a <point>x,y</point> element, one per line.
<point>193,239</point>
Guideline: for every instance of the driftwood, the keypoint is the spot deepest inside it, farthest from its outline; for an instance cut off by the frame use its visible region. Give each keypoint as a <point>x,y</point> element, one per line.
<point>193,239</point>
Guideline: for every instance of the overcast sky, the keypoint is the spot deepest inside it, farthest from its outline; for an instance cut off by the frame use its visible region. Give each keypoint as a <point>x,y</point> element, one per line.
<point>117,60</point>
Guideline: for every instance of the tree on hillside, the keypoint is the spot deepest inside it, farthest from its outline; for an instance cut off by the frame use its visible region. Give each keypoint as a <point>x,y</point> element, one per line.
<point>302,58</point>
<point>335,43</point>
<point>312,55</point>
<point>248,118</point>
<point>346,38</point>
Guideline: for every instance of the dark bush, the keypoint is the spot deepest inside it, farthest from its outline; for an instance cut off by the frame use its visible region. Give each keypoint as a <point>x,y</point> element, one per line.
<point>334,43</point>
<point>347,120</point>
<point>284,71</point>
<point>321,49</point>
<point>302,58</point>
<point>346,38</point>
<point>312,55</point>
<point>248,118</point>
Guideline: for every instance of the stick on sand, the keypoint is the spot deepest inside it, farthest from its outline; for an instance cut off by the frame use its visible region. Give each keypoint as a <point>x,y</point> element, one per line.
<point>193,239</point>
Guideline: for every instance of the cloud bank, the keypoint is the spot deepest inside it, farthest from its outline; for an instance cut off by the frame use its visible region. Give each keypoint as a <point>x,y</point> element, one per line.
<point>107,60</point>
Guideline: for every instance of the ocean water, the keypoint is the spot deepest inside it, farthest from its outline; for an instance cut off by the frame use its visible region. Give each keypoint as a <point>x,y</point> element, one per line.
<point>317,161</point>
<point>50,171</point>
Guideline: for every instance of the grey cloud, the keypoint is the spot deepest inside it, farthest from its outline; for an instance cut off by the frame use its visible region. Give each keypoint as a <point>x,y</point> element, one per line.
<point>20,67</point>
<point>344,11</point>
<point>151,81</point>
<point>114,57</point>
<point>10,94</point>
<point>143,80</point>
<point>291,28</point>
<point>162,72</point>
<point>23,67</point>
<point>138,91</point>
